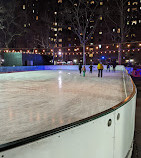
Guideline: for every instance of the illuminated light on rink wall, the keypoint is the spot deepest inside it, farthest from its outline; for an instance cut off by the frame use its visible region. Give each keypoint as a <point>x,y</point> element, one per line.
<point>105,135</point>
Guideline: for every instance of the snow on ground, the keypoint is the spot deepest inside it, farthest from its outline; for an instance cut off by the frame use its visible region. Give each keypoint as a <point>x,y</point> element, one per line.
<point>38,101</point>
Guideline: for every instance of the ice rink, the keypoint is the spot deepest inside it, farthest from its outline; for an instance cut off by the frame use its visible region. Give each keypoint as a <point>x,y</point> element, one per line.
<point>38,101</point>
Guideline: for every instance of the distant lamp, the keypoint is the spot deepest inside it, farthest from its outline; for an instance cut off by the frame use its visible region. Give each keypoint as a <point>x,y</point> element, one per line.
<point>99,46</point>
<point>59,53</point>
<point>75,61</point>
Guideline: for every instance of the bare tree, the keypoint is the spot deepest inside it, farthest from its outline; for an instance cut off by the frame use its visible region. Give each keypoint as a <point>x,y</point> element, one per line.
<point>11,21</point>
<point>82,17</point>
<point>118,18</point>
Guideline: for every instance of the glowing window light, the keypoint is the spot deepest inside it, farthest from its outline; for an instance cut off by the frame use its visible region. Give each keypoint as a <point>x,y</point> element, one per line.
<point>36,51</point>
<point>99,46</point>
<point>66,53</point>
<point>43,50</point>
<point>59,50</point>
<point>123,50</point>
<point>59,53</point>
<point>114,51</point>
<point>117,46</point>
<point>87,48</point>
<point>128,45</point>
<point>51,50</point>
<point>77,48</point>
<point>13,51</point>
<point>101,52</point>
<point>96,52</point>
<point>96,47</point>
<point>128,50</point>
<point>107,47</point>
<point>133,50</point>
<point>140,44</point>
<point>105,52</point>
<point>68,49</point>
<point>138,49</point>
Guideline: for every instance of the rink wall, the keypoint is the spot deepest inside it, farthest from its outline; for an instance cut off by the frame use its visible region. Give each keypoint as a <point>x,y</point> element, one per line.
<point>108,134</point>
<point>49,67</point>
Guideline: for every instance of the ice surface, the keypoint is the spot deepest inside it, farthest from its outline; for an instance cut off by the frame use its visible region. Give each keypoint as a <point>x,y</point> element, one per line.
<point>38,101</point>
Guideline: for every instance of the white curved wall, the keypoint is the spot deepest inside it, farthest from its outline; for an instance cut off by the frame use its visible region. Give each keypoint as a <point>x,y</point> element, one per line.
<point>93,139</point>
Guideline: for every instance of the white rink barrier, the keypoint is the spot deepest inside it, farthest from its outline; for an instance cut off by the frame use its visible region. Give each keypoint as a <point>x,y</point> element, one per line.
<point>106,135</point>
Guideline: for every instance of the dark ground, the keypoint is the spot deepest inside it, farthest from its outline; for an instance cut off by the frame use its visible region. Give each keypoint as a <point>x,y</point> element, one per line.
<point>137,137</point>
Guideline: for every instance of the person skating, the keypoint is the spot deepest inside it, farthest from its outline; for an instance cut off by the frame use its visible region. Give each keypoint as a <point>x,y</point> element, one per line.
<point>108,66</point>
<point>100,69</point>
<point>114,66</point>
<point>84,70</point>
<point>91,68</point>
<point>80,67</point>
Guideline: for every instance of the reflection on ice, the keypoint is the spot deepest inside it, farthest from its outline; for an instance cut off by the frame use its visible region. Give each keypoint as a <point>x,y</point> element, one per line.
<point>60,82</point>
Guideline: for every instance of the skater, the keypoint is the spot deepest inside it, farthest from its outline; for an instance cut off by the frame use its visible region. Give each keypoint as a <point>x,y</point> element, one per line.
<point>91,68</point>
<point>100,69</point>
<point>84,70</point>
<point>114,66</point>
<point>80,67</point>
<point>108,66</point>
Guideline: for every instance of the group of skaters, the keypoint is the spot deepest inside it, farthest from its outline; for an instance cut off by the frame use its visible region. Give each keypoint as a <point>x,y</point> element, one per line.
<point>99,68</point>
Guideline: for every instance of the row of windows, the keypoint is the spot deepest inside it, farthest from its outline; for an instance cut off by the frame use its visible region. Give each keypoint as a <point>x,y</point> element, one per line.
<point>134,22</point>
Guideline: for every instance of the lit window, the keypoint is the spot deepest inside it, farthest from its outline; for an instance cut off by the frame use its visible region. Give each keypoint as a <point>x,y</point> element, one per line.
<point>133,35</point>
<point>140,8</point>
<point>55,29</point>
<point>134,22</point>
<point>134,9</point>
<point>24,25</point>
<point>129,3</point>
<point>60,40</point>
<point>127,22</point>
<point>55,23</point>
<point>100,32</point>
<point>92,21</point>
<point>114,30</point>
<point>91,49</point>
<point>135,3</point>
<point>23,6</point>
<point>60,45</point>
<point>139,21</point>
<point>55,35</point>
<point>101,3</point>
<point>59,1</point>
<point>81,34</point>
<point>33,11</point>
<point>29,24</point>
<point>92,2</point>
<point>59,29</point>
<point>128,9</point>
<point>37,18</point>
<point>51,39</point>
<point>55,13</point>
<point>100,17</point>
<point>118,31</point>
<point>69,28</point>
<point>75,4</point>
<point>92,38</point>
